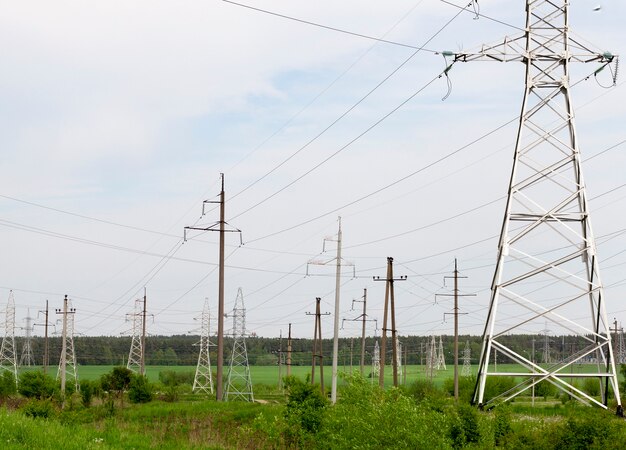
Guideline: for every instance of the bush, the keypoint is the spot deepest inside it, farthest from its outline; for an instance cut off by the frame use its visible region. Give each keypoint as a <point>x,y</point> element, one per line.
<point>7,384</point>
<point>366,416</point>
<point>173,378</point>
<point>497,385</point>
<point>139,389</point>
<point>116,381</point>
<point>87,390</point>
<point>424,390</point>
<point>466,388</point>
<point>38,409</point>
<point>35,384</point>
<point>305,404</point>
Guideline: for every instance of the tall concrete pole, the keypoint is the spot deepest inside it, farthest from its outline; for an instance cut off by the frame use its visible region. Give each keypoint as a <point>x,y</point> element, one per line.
<point>142,367</point>
<point>333,390</point>
<point>363,332</point>
<point>220,313</point>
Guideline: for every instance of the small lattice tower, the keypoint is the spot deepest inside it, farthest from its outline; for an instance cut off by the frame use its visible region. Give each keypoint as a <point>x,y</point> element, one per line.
<point>68,358</point>
<point>620,354</point>
<point>239,384</point>
<point>431,358</point>
<point>203,380</point>
<point>441,357</point>
<point>376,360</point>
<point>27,359</point>
<point>136,349</point>
<point>8,358</point>
<point>467,360</point>
<point>546,358</point>
<point>399,356</point>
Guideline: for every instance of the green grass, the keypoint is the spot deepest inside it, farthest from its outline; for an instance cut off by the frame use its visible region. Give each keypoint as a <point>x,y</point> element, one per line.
<point>268,375</point>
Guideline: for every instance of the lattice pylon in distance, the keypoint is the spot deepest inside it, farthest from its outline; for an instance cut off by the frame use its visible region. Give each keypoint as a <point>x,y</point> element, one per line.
<point>239,384</point>
<point>203,379</point>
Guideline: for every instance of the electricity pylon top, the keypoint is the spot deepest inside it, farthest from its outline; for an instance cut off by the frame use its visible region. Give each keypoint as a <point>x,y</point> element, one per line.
<point>547,269</point>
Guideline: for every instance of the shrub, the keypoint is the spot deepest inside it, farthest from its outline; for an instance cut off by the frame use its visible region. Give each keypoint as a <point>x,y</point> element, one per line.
<point>87,391</point>
<point>466,388</point>
<point>38,408</point>
<point>139,389</point>
<point>35,384</point>
<point>116,381</point>
<point>173,378</point>
<point>7,384</point>
<point>497,385</point>
<point>545,389</point>
<point>366,416</point>
<point>424,390</point>
<point>502,424</point>
<point>304,410</point>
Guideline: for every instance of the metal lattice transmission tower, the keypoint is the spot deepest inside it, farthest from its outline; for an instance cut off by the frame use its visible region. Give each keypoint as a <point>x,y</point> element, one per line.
<point>67,363</point>
<point>375,361</point>
<point>135,355</point>
<point>27,359</point>
<point>546,358</point>
<point>620,357</point>
<point>546,269</point>
<point>399,353</point>
<point>431,358</point>
<point>239,385</point>
<point>8,357</point>
<point>467,360</point>
<point>441,357</point>
<point>203,380</point>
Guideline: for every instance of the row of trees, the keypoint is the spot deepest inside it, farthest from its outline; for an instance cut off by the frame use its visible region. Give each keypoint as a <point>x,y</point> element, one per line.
<point>181,349</point>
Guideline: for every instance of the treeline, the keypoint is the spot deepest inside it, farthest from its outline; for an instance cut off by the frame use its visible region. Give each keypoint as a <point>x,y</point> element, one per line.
<point>183,349</point>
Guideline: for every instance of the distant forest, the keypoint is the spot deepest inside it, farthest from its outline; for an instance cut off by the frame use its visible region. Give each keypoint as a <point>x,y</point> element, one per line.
<point>183,350</point>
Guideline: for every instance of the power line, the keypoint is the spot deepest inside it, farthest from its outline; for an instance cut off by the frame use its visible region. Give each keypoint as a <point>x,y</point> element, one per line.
<point>326,27</point>
<point>345,113</point>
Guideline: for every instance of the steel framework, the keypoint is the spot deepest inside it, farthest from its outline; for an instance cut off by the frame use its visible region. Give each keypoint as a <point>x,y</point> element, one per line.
<point>546,269</point>
<point>8,358</point>
<point>620,351</point>
<point>135,355</point>
<point>67,363</point>
<point>375,361</point>
<point>239,385</point>
<point>203,379</point>
<point>431,358</point>
<point>441,357</point>
<point>467,360</point>
<point>27,359</point>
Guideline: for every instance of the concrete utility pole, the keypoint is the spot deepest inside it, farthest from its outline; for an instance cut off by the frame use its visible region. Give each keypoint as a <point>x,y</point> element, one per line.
<point>143,334</point>
<point>221,227</point>
<point>45,342</point>
<point>363,318</point>
<point>280,360</point>
<point>317,354</point>
<point>456,296</point>
<point>338,262</point>
<point>289,352</point>
<point>389,298</point>
<point>66,311</point>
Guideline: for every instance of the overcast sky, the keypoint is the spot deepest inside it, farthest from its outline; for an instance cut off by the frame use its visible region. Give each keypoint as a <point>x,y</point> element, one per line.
<point>117,117</point>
